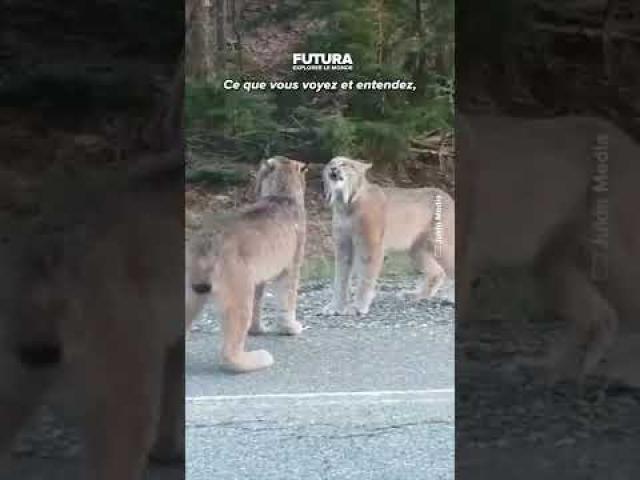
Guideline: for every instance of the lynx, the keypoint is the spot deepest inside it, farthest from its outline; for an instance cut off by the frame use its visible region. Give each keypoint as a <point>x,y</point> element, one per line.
<point>262,243</point>
<point>369,220</point>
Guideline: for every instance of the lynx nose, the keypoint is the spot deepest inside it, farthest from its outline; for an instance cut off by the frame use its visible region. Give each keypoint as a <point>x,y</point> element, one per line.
<point>333,173</point>
<point>39,355</point>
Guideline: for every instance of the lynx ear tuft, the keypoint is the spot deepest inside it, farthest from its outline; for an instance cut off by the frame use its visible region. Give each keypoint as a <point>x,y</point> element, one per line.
<point>266,167</point>
<point>271,162</point>
<point>277,160</point>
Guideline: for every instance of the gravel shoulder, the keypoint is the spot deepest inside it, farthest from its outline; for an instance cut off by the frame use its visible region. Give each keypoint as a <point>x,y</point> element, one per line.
<point>390,308</point>
<point>511,423</point>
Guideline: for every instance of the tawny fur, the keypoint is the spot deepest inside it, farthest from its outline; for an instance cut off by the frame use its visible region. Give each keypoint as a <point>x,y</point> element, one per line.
<point>369,220</point>
<point>262,243</point>
<point>95,304</point>
<point>526,193</point>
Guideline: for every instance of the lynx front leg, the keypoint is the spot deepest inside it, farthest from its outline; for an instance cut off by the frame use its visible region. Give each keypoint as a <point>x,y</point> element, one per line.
<point>287,291</point>
<point>342,276</point>
<point>23,380</point>
<point>196,296</point>
<point>198,286</point>
<point>123,384</point>
<point>369,260</point>
<point>236,302</point>
<point>169,446</point>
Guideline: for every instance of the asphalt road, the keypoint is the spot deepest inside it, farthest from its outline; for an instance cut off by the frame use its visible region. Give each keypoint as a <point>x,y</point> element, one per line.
<point>351,398</point>
<point>69,469</point>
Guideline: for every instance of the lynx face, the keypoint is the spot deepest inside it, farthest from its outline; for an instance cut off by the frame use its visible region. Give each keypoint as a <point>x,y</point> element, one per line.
<point>342,179</point>
<point>32,303</point>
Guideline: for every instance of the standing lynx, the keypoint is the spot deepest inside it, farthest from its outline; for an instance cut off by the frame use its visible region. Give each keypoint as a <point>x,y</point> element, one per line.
<point>369,220</point>
<point>89,314</point>
<point>559,196</point>
<point>264,242</point>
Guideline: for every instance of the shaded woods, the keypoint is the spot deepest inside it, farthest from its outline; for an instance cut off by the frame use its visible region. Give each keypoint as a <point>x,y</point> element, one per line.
<point>546,58</point>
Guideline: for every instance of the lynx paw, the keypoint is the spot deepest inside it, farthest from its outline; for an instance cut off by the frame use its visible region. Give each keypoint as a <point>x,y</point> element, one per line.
<point>258,330</point>
<point>290,328</point>
<point>167,454</point>
<point>421,295</point>
<point>247,361</point>
<point>333,310</point>
<point>411,295</point>
<point>357,311</point>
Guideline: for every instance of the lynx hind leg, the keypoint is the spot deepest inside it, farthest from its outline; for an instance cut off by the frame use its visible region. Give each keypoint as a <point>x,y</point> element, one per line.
<point>593,323</point>
<point>236,306</point>
<point>433,275</point>
<point>287,291</point>
<point>257,327</point>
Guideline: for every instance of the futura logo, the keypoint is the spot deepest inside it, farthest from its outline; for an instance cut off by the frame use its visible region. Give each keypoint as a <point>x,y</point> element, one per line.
<point>322,61</point>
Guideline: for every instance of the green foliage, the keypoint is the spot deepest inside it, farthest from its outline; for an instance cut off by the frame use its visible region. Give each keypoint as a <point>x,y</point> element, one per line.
<point>215,178</point>
<point>489,33</point>
<point>208,105</point>
<point>247,120</point>
<point>386,43</point>
<point>383,142</point>
<point>350,27</point>
<point>337,136</point>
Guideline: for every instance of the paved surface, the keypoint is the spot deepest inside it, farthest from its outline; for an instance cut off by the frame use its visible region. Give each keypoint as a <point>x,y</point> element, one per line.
<point>513,423</point>
<point>69,469</point>
<point>352,398</point>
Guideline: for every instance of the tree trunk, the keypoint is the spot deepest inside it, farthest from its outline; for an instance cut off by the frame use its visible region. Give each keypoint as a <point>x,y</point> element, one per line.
<point>420,72</point>
<point>221,32</point>
<point>234,9</point>
<point>199,40</point>
<point>167,124</point>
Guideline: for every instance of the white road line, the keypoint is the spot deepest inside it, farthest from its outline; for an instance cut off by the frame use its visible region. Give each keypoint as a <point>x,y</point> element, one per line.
<point>324,395</point>
<point>205,406</point>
